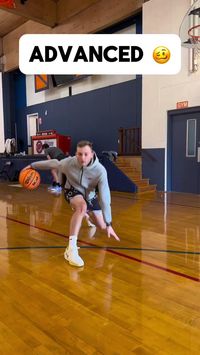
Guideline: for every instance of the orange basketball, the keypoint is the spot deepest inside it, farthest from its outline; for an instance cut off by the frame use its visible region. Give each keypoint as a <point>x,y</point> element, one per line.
<point>29,178</point>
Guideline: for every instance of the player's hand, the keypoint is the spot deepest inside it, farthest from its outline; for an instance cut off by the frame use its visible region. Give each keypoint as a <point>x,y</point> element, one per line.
<point>27,167</point>
<point>111,233</point>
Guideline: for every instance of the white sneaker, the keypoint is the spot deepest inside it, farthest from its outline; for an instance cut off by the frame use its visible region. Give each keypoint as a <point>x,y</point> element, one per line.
<point>71,255</point>
<point>55,189</point>
<point>50,187</point>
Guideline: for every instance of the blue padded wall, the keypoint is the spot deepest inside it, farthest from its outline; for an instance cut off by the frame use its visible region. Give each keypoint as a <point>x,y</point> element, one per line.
<point>14,101</point>
<point>95,115</point>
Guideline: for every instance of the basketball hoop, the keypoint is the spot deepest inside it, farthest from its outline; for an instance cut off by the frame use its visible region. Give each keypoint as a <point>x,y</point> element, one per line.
<point>194,37</point>
<point>193,42</point>
<point>10,4</point>
<point>189,33</point>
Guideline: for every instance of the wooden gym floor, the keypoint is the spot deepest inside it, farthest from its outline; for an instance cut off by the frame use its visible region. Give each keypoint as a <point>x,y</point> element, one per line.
<point>138,296</point>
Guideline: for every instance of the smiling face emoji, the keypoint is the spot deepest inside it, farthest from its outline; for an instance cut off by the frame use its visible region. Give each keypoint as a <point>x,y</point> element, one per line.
<point>161,55</point>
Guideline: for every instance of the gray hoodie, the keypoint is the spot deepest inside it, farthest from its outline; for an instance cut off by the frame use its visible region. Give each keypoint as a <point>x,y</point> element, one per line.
<point>83,179</point>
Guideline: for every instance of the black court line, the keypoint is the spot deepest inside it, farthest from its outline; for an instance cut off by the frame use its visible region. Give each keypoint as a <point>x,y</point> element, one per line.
<point>35,247</point>
<point>145,249</point>
<point>101,247</point>
<point>111,251</point>
<point>156,201</point>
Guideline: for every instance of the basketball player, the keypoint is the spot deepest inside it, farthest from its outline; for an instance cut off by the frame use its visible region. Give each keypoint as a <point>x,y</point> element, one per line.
<point>54,153</point>
<point>84,173</point>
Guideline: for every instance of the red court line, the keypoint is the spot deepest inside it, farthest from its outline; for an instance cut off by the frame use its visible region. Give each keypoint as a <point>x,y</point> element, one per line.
<point>155,266</point>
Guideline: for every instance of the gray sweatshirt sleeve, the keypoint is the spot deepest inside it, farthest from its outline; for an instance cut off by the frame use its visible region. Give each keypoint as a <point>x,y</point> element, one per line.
<point>104,197</point>
<point>46,164</point>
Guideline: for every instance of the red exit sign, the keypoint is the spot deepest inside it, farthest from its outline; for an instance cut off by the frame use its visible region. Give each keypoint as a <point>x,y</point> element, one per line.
<point>182,104</point>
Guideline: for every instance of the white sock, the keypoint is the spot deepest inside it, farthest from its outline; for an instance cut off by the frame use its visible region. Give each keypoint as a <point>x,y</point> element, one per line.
<point>73,241</point>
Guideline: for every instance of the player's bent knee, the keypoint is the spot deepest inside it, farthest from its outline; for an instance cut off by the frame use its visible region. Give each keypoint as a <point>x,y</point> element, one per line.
<point>82,209</point>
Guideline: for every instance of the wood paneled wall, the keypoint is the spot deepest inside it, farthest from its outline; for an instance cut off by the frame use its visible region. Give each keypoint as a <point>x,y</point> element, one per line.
<point>97,16</point>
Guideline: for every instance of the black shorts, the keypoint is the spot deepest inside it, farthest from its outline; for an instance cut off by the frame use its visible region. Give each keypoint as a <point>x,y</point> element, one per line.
<point>92,205</point>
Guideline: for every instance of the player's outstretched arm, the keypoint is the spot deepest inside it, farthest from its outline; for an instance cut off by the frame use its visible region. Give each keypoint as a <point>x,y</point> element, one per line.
<point>44,165</point>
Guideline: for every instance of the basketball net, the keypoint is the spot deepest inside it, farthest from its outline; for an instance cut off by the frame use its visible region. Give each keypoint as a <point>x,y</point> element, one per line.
<point>10,4</point>
<point>196,50</point>
<point>194,39</point>
<point>189,33</point>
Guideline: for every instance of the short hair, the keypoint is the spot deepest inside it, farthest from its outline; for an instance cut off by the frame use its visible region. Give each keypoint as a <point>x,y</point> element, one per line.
<point>82,144</point>
<point>45,146</point>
